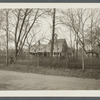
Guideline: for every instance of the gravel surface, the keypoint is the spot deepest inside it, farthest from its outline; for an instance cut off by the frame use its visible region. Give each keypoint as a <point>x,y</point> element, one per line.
<point>10,80</point>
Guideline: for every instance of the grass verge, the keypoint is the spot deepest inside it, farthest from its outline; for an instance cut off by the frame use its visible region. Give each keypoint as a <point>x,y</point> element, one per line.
<point>88,73</point>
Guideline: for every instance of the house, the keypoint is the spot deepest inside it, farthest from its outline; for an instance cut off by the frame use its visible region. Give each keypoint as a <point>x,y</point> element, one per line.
<point>38,50</point>
<point>58,46</point>
<point>45,49</point>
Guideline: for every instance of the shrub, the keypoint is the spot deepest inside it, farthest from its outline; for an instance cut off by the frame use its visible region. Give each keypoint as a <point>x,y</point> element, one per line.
<point>71,62</point>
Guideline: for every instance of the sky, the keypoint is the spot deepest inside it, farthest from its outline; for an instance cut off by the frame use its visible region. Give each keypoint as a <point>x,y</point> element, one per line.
<point>62,31</point>
<point>45,28</point>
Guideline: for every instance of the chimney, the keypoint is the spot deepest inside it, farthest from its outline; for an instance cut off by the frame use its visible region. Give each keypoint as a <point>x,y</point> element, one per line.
<point>39,43</point>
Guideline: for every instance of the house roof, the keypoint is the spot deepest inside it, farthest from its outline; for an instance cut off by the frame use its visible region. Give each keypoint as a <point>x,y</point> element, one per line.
<point>57,45</point>
<point>47,47</point>
<point>38,48</point>
<point>58,41</point>
<point>61,40</point>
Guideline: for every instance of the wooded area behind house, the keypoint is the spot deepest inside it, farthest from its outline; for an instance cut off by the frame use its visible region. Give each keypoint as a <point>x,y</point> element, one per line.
<point>60,38</point>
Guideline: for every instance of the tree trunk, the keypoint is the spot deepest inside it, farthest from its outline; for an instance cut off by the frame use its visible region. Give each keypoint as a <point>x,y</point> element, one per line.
<point>83,59</point>
<point>15,52</point>
<point>7,37</point>
<point>53,32</point>
<point>76,46</point>
<point>83,46</point>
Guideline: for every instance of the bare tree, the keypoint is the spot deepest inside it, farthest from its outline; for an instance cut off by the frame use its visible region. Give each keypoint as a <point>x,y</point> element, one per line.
<point>25,20</point>
<point>77,19</point>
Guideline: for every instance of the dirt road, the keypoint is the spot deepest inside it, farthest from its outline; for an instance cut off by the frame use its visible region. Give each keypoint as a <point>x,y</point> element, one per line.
<point>10,80</point>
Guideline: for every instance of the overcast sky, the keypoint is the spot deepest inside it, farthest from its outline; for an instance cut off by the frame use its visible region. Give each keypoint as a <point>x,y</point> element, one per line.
<point>45,28</point>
